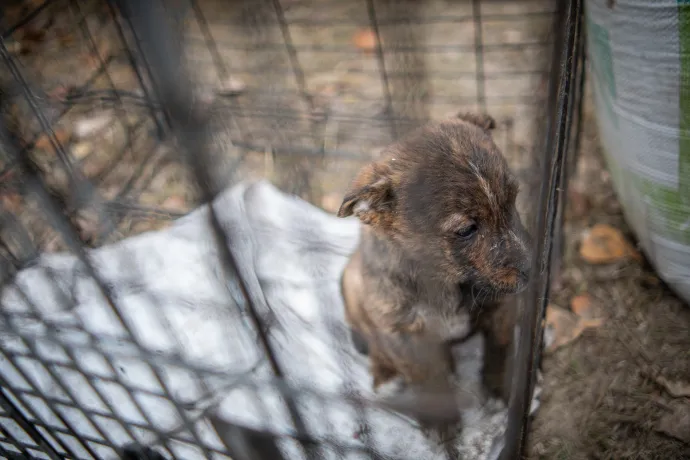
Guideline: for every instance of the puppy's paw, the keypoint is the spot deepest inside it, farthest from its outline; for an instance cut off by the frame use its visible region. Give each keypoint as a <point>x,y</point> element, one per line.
<point>443,438</point>
<point>390,388</point>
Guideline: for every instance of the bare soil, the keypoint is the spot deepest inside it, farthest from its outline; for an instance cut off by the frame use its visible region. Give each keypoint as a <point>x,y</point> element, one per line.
<point>606,394</point>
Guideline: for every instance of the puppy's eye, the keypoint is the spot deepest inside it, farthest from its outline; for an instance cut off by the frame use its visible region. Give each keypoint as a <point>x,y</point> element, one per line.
<point>467,232</point>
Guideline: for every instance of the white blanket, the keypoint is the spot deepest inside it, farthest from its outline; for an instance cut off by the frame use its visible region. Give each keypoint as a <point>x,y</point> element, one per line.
<point>185,316</point>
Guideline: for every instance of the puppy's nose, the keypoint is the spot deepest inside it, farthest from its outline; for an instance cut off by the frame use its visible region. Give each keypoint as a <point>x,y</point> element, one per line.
<point>523,275</point>
<point>524,267</point>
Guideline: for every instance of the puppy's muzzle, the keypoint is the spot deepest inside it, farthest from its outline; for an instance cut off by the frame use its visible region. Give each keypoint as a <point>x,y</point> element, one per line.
<point>524,271</point>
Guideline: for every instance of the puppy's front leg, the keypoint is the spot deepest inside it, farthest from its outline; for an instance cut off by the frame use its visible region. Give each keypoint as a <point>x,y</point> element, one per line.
<point>383,372</point>
<point>428,368</point>
<point>498,328</point>
<point>419,368</point>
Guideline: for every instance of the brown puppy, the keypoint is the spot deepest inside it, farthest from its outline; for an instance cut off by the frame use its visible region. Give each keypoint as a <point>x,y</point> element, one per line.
<point>441,246</point>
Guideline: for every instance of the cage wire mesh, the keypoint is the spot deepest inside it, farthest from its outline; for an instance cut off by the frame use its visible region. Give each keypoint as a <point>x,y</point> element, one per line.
<point>104,139</point>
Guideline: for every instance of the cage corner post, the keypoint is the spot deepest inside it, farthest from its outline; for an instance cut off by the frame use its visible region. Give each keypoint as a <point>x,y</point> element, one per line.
<point>563,97</point>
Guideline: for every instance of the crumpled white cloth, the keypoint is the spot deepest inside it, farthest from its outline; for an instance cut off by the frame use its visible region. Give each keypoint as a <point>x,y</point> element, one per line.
<point>185,317</point>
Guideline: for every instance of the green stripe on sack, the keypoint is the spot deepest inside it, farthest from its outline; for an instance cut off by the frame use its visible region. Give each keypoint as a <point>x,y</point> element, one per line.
<point>672,205</point>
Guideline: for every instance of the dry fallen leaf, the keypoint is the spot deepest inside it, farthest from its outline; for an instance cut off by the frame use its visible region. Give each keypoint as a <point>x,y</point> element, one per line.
<point>232,87</point>
<point>564,326</point>
<point>365,40</point>
<point>676,423</point>
<point>583,306</point>
<point>28,38</point>
<point>206,96</point>
<point>65,38</point>
<point>175,203</point>
<point>14,47</point>
<point>149,225</point>
<point>604,244</point>
<point>60,92</point>
<point>650,280</point>
<point>327,91</point>
<point>331,202</point>
<point>94,58</point>
<point>11,202</point>
<point>675,389</point>
<point>52,245</point>
<point>58,180</point>
<point>559,323</point>
<point>89,225</point>
<point>95,165</point>
<point>43,141</point>
<point>377,152</point>
<point>33,35</point>
<point>81,150</point>
<point>92,125</point>
<point>149,199</point>
<point>111,192</point>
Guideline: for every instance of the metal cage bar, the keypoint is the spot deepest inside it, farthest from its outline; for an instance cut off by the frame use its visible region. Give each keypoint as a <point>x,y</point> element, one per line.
<point>567,59</point>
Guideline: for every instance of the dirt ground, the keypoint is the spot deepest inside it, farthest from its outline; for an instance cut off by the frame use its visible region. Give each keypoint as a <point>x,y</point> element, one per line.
<point>606,394</point>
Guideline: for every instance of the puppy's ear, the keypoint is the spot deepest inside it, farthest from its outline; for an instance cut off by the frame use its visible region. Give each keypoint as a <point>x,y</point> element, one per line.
<point>484,121</point>
<point>371,195</point>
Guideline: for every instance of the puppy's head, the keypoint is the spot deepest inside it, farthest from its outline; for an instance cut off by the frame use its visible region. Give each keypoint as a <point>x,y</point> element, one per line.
<point>445,194</point>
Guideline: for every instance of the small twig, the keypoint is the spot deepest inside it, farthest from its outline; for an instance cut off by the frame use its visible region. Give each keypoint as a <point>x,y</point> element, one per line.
<point>627,419</point>
<point>633,345</point>
<point>643,397</point>
<point>674,389</point>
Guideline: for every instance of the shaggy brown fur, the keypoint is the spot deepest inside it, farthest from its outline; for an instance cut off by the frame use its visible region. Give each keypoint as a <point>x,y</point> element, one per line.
<point>441,246</point>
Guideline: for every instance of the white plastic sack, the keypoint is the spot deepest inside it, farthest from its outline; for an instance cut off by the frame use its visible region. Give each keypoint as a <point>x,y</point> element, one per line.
<point>639,55</point>
<point>171,291</point>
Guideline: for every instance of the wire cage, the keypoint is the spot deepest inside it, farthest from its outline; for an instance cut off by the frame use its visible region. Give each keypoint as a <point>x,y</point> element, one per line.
<point>119,117</point>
